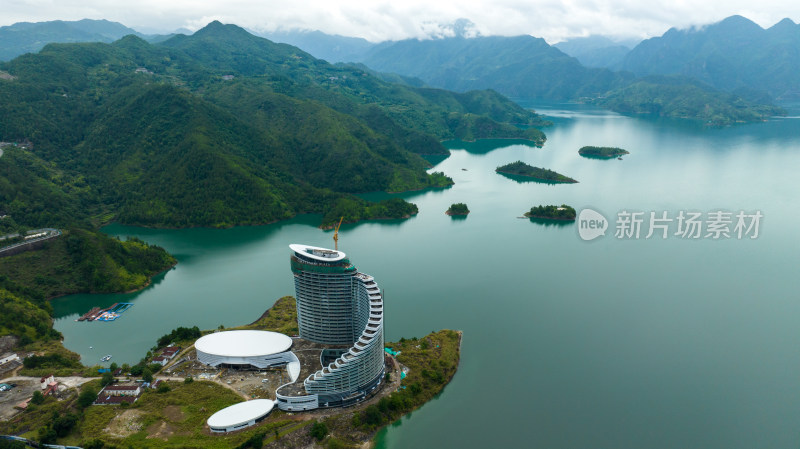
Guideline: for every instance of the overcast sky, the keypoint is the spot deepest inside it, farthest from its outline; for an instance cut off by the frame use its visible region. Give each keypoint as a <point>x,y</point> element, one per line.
<point>378,20</point>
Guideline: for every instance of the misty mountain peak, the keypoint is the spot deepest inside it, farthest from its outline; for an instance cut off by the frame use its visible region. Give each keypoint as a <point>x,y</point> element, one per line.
<point>461,28</point>
<point>465,28</point>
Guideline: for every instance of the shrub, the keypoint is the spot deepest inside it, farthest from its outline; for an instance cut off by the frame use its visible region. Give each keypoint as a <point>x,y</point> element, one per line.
<point>179,334</point>
<point>136,370</point>
<point>373,416</point>
<point>37,398</point>
<point>319,430</point>
<point>87,397</point>
<point>147,375</point>
<point>93,444</point>
<point>64,424</point>
<point>254,442</point>
<point>47,435</point>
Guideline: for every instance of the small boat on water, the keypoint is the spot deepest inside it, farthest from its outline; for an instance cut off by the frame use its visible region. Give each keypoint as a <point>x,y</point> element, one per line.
<point>106,358</point>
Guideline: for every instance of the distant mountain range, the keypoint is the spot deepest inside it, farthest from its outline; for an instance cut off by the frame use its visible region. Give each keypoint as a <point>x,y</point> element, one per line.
<point>732,62</point>
<point>332,48</point>
<point>527,67</point>
<point>596,51</point>
<point>732,54</point>
<point>25,37</point>
<point>518,66</point>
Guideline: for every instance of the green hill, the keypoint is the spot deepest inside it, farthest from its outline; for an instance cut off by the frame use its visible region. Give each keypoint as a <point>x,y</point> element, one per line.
<point>223,128</point>
<point>676,97</point>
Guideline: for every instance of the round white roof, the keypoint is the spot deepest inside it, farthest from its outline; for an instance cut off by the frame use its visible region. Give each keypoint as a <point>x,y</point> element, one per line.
<point>317,253</point>
<point>240,413</point>
<point>246,343</point>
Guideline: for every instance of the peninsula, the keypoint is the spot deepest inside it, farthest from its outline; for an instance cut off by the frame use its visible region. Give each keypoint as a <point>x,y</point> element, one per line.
<point>601,152</point>
<point>188,394</point>
<point>253,385</point>
<point>551,212</point>
<point>520,168</point>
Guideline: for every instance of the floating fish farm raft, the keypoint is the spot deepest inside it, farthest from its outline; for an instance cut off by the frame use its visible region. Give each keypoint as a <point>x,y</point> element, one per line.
<point>108,314</point>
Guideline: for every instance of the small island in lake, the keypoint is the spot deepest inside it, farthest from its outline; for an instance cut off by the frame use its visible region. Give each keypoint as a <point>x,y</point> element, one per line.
<point>457,209</point>
<point>602,152</point>
<point>520,168</point>
<point>551,212</point>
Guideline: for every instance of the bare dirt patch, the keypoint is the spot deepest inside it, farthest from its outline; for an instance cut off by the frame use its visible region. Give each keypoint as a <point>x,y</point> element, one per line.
<point>161,429</point>
<point>174,413</point>
<point>125,424</point>
<point>7,76</point>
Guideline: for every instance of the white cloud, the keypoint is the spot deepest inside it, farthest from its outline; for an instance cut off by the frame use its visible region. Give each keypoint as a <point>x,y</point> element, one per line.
<point>390,19</point>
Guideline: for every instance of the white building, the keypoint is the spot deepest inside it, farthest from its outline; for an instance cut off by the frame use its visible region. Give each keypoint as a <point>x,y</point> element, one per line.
<point>47,380</point>
<point>239,416</point>
<point>336,305</point>
<point>121,390</point>
<point>245,348</point>
<point>8,357</point>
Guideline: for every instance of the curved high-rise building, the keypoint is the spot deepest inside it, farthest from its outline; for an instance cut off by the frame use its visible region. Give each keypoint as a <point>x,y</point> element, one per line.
<point>342,309</point>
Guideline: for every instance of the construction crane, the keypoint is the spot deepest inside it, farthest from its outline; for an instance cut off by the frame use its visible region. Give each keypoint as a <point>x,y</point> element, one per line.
<point>336,235</point>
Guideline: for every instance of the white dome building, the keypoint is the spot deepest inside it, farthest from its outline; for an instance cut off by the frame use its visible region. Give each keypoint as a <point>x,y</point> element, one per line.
<point>239,416</point>
<point>245,349</point>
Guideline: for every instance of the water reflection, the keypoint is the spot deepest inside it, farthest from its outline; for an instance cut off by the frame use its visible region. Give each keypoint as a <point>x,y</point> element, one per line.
<point>555,223</point>
<point>525,179</point>
<point>484,146</point>
<point>435,159</point>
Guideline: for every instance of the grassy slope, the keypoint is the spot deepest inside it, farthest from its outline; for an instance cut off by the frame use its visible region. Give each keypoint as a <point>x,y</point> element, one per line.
<point>281,317</point>
<point>174,419</point>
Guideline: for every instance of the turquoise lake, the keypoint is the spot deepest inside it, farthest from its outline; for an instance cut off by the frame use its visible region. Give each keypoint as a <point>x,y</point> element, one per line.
<point>609,343</point>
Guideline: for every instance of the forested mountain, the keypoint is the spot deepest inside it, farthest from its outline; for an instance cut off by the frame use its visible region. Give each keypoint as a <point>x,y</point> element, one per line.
<point>220,128</point>
<point>731,54</point>
<point>26,37</point>
<point>679,97</point>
